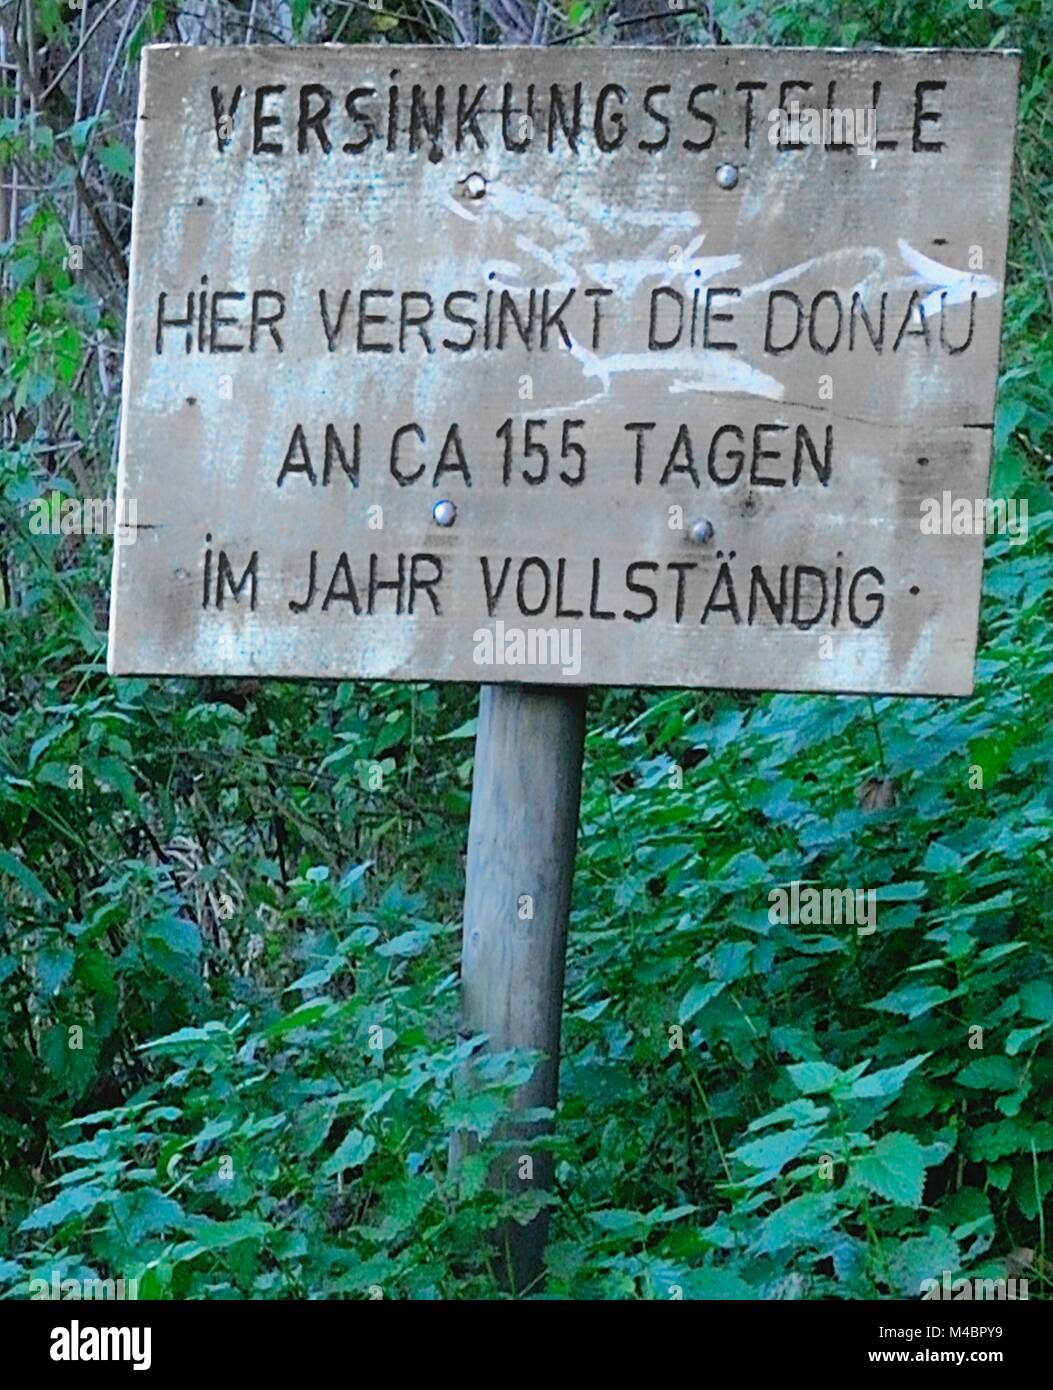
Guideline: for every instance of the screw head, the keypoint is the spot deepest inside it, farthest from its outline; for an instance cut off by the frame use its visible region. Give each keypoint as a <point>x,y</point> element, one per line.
<point>727,176</point>
<point>702,531</point>
<point>444,512</point>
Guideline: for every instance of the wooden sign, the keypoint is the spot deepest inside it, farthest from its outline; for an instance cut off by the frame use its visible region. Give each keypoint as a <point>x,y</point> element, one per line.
<point>634,367</point>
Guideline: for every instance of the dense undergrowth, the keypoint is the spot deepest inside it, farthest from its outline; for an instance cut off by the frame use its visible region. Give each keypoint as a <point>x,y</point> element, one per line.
<point>229,910</point>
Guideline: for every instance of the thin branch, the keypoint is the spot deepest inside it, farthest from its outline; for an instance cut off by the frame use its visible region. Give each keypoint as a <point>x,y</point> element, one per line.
<point>619,24</point>
<point>75,56</point>
<point>389,14</point>
<point>106,237</point>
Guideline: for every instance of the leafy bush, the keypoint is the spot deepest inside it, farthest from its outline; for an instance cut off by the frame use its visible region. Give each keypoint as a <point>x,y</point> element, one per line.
<point>229,911</point>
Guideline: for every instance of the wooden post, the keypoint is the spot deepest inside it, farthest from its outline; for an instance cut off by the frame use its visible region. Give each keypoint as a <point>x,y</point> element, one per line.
<point>521,840</point>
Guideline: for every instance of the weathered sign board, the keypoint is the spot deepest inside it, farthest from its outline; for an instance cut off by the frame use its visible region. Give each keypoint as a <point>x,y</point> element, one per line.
<point>433,352</point>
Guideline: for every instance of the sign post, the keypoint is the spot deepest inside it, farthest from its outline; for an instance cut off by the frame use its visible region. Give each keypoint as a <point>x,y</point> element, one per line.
<point>521,838</point>
<point>548,369</point>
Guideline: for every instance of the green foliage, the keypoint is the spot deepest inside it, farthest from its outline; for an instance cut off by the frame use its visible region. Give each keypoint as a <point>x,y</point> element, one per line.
<point>229,911</point>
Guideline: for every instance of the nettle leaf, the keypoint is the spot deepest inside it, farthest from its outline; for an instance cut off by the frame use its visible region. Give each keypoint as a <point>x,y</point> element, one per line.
<point>1004,1137</point>
<point>1007,948</point>
<point>716,1284</point>
<point>302,1017</point>
<point>354,1149</point>
<point>913,1000</point>
<point>849,1259</point>
<point>409,943</point>
<point>477,1112</point>
<point>701,993</point>
<point>9,864</point>
<point>804,1221</point>
<point>53,968</point>
<point>184,1038</point>
<point>146,1212</point>
<point>1000,1175</point>
<point>894,1169</point>
<point>810,1078</point>
<point>923,1257</point>
<point>176,934</point>
<point>940,858</point>
<point>218,1235</point>
<point>617,1220</point>
<point>44,742</point>
<point>902,892</point>
<point>800,1112</point>
<point>73,1201</point>
<point>53,775</point>
<point>774,1151</point>
<point>731,960</point>
<point>117,157</point>
<point>883,1084</point>
<point>112,772</point>
<point>1036,1000</point>
<point>990,1074</point>
<point>1020,1037</point>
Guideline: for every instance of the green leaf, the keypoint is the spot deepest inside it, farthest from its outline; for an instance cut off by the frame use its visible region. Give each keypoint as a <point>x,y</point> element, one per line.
<point>731,960</point>
<point>990,1074</point>
<point>117,157</point>
<point>72,1201</point>
<point>1036,1000</point>
<point>902,892</point>
<point>698,996</point>
<point>1020,1037</point>
<point>353,1151</point>
<point>299,1018</point>
<point>53,775</point>
<point>882,1084</point>
<point>616,1219</point>
<point>715,1284</point>
<point>44,742</point>
<point>177,934</point>
<point>191,1038</point>
<point>114,773</point>
<point>54,965</point>
<point>218,1235</point>
<point>410,943</point>
<point>774,1151</point>
<point>465,730</point>
<point>802,1222</point>
<point>921,1258</point>
<point>146,1212</point>
<point>811,1078</point>
<point>26,877</point>
<point>913,1000</point>
<point>894,1169</point>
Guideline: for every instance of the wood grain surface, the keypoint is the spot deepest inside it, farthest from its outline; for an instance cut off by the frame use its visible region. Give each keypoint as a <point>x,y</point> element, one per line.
<point>687,390</point>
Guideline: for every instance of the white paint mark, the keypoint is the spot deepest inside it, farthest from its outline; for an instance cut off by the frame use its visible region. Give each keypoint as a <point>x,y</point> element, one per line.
<point>452,205</point>
<point>716,372</point>
<point>957,285</point>
<point>626,276</point>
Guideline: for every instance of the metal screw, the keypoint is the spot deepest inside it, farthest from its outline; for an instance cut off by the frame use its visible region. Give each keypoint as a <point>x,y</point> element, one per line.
<point>702,531</point>
<point>444,512</point>
<point>727,176</point>
<point>474,186</point>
